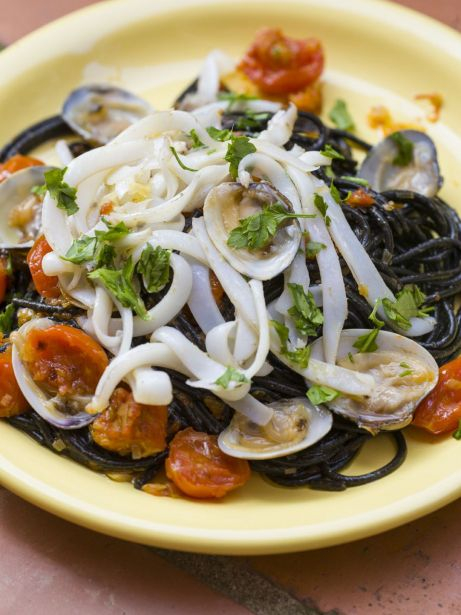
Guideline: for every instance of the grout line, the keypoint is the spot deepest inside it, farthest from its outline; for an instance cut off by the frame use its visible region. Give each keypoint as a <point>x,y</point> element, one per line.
<point>235,579</point>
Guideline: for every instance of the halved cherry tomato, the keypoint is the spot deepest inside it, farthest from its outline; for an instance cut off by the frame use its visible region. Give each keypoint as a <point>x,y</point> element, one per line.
<point>46,285</point>
<point>129,428</point>
<point>3,277</point>
<point>440,411</point>
<point>64,360</point>
<point>12,401</point>
<point>279,64</point>
<point>17,163</point>
<point>360,198</point>
<point>200,469</point>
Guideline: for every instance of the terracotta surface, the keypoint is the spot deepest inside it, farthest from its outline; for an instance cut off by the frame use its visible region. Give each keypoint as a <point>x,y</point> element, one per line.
<point>49,566</point>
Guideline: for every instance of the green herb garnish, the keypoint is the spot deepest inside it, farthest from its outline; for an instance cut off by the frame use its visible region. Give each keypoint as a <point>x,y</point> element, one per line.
<point>322,206</point>
<point>7,319</point>
<point>251,120</point>
<point>304,312</point>
<point>193,136</point>
<point>238,148</point>
<point>367,341</point>
<point>313,248</point>
<point>219,135</point>
<point>299,356</point>
<point>330,152</point>
<point>356,180</point>
<point>257,231</point>
<point>457,434</point>
<point>340,116</point>
<point>179,161</point>
<point>64,195</point>
<point>408,304</point>
<point>234,99</point>
<point>97,248</point>
<point>405,148</point>
<point>320,394</point>
<point>119,282</point>
<point>230,375</point>
<point>154,267</point>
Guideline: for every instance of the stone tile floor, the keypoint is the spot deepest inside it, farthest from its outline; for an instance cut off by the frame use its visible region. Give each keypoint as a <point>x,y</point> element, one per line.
<point>49,566</point>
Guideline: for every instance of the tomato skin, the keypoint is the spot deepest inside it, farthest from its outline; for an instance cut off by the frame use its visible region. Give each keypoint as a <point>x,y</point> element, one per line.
<point>129,428</point>
<point>64,360</point>
<point>360,198</point>
<point>17,163</point>
<point>279,65</point>
<point>200,469</point>
<point>3,278</point>
<point>440,411</point>
<point>46,286</point>
<point>12,401</point>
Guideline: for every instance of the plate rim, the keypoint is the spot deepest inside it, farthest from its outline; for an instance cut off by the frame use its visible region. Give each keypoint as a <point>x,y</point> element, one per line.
<point>222,541</point>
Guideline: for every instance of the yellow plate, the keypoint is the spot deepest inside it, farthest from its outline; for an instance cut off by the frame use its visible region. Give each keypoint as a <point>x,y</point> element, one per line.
<point>376,53</point>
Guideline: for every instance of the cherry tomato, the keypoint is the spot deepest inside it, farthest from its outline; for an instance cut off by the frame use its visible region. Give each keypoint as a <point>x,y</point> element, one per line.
<point>200,469</point>
<point>279,65</point>
<point>12,401</point>
<point>129,428</point>
<point>64,360</point>
<point>46,285</point>
<point>440,411</point>
<point>3,278</point>
<point>360,198</point>
<point>17,163</point>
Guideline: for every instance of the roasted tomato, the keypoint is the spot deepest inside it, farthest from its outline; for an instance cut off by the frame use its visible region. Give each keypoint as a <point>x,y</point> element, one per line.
<point>12,401</point>
<point>17,163</point>
<point>360,198</point>
<point>200,469</point>
<point>63,360</point>
<point>46,285</point>
<point>440,411</point>
<point>129,428</point>
<point>280,65</point>
<point>3,277</point>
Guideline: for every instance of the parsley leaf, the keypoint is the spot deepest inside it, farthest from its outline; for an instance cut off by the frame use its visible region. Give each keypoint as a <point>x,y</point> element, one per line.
<point>119,282</point>
<point>457,434</point>
<point>179,161</point>
<point>114,231</point>
<point>313,248</point>
<point>404,147</point>
<point>408,304</point>
<point>7,319</point>
<point>367,341</point>
<point>238,148</point>
<point>330,152</point>
<point>39,190</point>
<point>406,372</point>
<point>82,250</point>
<point>300,356</point>
<point>320,394</point>
<point>154,266</point>
<point>335,193</point>
<point>251,120</point>
<point>321,205</point>
<point>305,313</point>
<point>340,116</point>
<point>219,135</point>
<point>193,136</point>
<point>64,195</point>
<point>257,231</point>
<point>356,180</point>
<point>230,375</point>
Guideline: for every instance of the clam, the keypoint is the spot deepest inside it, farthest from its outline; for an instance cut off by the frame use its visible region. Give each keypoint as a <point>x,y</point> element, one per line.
<point>404,374</point>
<point>421,174</point>
<point>295,425</point>
<point>100,112</point>
<point>60,412</point>
<point>21,209</point>
<point>229,203</point>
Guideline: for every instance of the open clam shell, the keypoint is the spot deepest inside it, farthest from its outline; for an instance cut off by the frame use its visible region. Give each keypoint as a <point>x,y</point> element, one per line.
<point>404,373</point>
<point>421,174</point>
<point>100,112</point>
<point>295,425</point>
<point>20,219</point>
<point>226,205</point>
<point>40,401</point>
